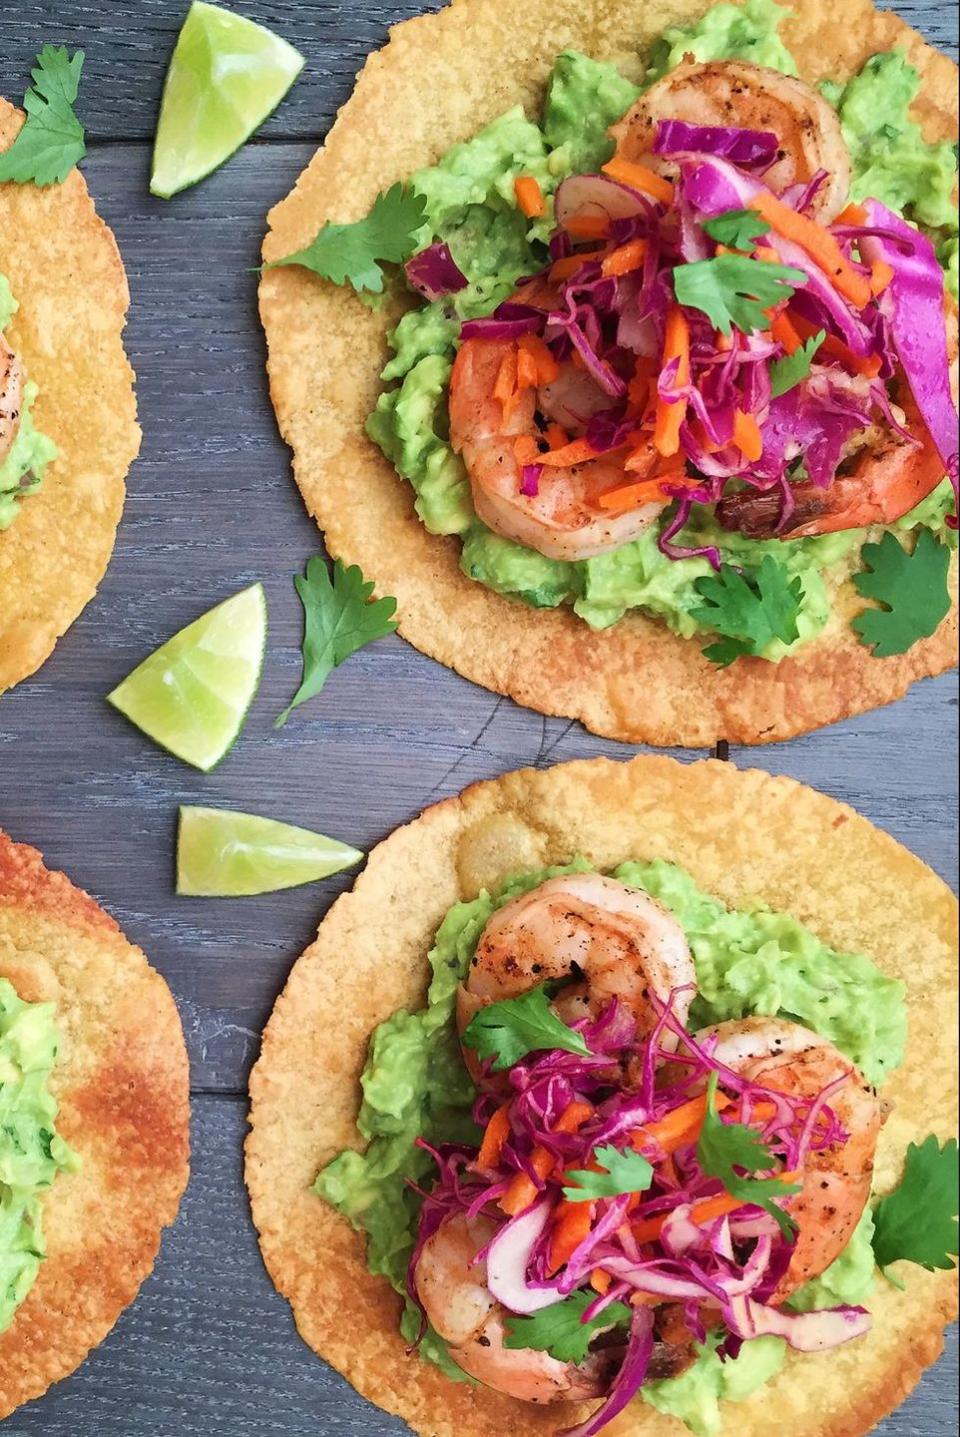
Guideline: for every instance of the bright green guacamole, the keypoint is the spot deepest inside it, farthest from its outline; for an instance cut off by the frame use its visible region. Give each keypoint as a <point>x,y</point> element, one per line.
<point>747,961</point>
<point>471,205</point>
<point>23,467</point>
<point>31,1153</point>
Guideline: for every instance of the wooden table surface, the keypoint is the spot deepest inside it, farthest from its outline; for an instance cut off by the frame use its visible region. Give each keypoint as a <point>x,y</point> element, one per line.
<point>209,1349</point>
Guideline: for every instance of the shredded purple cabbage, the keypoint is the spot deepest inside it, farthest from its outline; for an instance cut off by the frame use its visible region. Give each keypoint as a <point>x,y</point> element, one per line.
<point>435,273</point>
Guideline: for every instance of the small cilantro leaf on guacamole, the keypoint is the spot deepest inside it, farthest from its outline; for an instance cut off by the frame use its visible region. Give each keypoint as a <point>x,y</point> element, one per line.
<point>787,373</point>
<point>740,229</point>
<point>339,619</point>
<point>508,1031</point>
<point>627,1172</point>
<point>51,141</point>
<point>722,1147</point>
<point>356,252</point>
<point>749,613</point>
<point>734,290</point>
<point>911,587</point>
<point>917,1222</point>
<point>561,1331</point>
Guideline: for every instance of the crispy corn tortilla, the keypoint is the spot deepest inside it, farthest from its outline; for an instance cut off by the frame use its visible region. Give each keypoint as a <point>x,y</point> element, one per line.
<point>437,82</point>
<point>744,836</point>
<point>121,1081</point>
<point>65,270</point>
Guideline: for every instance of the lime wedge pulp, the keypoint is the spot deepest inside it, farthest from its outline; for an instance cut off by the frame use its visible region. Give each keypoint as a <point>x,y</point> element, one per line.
<point>221,854</point>
<point>191,696</point>
<point>226,75</point>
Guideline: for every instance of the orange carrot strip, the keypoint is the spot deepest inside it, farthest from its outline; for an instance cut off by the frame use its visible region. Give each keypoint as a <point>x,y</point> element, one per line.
<point>680,1126</point>
<point>572,1224</point>
<point>881,274</point>
<point>868,364</point>
<point>638,177</point>
<point>497,1132</point>
<point>600,1281</point>
<point>547,367</point>
<point>818,243</point>
<point>566,268</point>
<point>573,1118</point>
<point>585,226</point>
<point>522,1191</point>
<point>852,215</point>
<point>529,195</point>
<point>676,345</point>
<point>577,452</point>
<point>627,258</point>
<point>784,332</point>
<point>645,1299</point>
<point>702,1212</point>
<point>746,435</point>
<point>631,496</point>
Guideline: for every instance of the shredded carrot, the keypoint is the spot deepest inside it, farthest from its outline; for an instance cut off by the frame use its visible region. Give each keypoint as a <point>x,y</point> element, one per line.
<point>638,177</point>
<point>679,1127</point>
<point>631,496</point>
<point>628,257</point>
<point>702,1212</point>
<point>723,342</point>
<point>676,345</point>
<point>522,1191</point>
<point>585,226</point>
<point>645,1299</point>
<point>868,364</point>
<point>852,215</point>
<point>600,1281</point>
<point>746,435</point>
<point>573,1118</point>
<point>784,332</point>
<point>572,1223</point>
<point>881,274</point>
<point>496,1134</point>
<point>547,368</point>
<point>638,390</point>
<point>818,243</point>
<point>566,268</point>
<point>530,199</point>
<point>578,451</point>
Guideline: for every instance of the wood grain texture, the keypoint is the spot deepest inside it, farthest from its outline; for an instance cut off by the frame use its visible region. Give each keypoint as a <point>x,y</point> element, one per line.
<point>209,1350</point>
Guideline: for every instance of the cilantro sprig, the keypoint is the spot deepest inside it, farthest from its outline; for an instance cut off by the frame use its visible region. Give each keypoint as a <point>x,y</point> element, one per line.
<point>792,369</point>
<point>508,1031</point>
<point>357,252</point>
<point>339,619</point>
<point>911,587</point>
<point>51,141</point>
<point>733,290</point>
<point>917,1222</point>
<point>749,612</point>
<point>561,1330</point>
<point>722,1148</point>
<point>740,229</point>
<point>627,1172</point>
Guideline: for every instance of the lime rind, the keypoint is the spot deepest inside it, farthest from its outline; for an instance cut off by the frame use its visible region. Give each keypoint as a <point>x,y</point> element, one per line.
<point>192,695</point>
<point>224,854</point>
<point>226,75</point>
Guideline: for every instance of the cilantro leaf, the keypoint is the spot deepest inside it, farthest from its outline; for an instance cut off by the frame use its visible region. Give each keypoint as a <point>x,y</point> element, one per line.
<point>749,613</point>
<point>339,619</point>
<point>911,587</point>
<point>917,1222</point>
<point>561,1330</point>
<point>786,373</point>
<point>508,1031</point>
<point>51,141</point>
<point>733,290</point>
<point>738,228</point>
<point>722,1147</point>
<point>354,252</point>
<point>627,1172</point>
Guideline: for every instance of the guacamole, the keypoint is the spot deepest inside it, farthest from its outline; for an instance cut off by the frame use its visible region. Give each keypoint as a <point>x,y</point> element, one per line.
<point>31,1153</point>
<point>23,466</point>
<point>471,205</point>
<point>415,1084</point>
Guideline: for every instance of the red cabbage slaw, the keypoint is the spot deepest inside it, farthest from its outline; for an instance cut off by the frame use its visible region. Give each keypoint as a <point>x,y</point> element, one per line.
<point>650,1246</point>
<point>614,326</point>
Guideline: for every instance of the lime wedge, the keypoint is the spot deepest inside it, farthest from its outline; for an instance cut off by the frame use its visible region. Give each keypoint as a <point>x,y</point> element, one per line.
<point>236,855</point>
<point>226,75</point>
<point>191,696</point>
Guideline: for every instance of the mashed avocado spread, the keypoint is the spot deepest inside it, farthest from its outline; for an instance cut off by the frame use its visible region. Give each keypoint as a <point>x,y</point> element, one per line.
<point>471,205</point>
<point>31,1153</point>
<point>22,469</point>
<point>748,961</point>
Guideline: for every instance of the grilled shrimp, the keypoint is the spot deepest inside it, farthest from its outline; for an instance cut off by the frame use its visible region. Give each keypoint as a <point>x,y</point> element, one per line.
<point>563,519</point>
<point>614,942</point>
<point>452,1286</point>
<point>732,92</point>
<point>836,1181</point>
<point>11,396</point>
